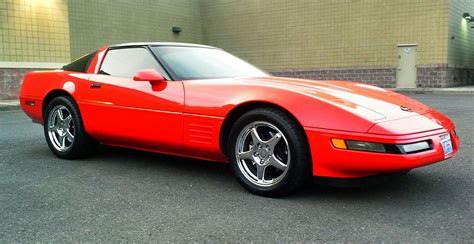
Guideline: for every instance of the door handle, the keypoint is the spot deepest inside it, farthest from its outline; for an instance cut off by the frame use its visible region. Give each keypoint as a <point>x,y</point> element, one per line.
<point>95,85</point>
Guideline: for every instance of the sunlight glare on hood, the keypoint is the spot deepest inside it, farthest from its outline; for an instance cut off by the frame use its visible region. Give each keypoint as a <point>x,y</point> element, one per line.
<point>371,87</point>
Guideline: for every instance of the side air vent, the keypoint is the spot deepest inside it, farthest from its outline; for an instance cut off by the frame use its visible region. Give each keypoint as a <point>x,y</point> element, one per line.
<point>200,133</point>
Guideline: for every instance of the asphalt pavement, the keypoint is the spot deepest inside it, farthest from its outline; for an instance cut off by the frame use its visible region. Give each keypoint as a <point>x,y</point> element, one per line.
<point>127,195</point>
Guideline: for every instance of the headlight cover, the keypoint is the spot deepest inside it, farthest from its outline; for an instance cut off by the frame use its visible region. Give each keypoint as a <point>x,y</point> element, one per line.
<point>414,147</point>
<point>365,146</point>
<point>382,148</point>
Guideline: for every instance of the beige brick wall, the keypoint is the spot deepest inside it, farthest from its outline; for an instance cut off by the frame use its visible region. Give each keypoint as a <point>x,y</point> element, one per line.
<point>34,31</point>
<point>281,34</point>
<point>274,34</point>
<point>460,34</point>
<point>94,23</point>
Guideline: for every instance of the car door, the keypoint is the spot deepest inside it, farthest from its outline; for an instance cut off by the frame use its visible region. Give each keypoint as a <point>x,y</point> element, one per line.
<point>120,111</point>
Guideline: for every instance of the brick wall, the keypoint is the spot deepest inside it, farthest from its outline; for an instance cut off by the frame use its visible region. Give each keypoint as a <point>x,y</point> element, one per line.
<point>379,76</point>
<point>460,76</point>
<point>94,24</point>
<point>282,34</point>
<point>345,40</point>
<point>435,76</point>
<point>34,31</point>
<point>428,76</point>
<point>10,82</point>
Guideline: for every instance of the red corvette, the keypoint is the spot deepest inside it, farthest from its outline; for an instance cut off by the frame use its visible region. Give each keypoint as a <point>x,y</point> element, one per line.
<point>201,102</point>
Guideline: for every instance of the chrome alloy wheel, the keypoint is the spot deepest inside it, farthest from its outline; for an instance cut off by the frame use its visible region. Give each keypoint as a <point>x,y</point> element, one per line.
<point>262,153</point>
<point>61,128</point>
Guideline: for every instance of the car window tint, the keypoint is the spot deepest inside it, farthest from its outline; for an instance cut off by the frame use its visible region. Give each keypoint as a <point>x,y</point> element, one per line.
<point>81,64</point>
<point>126,62</point>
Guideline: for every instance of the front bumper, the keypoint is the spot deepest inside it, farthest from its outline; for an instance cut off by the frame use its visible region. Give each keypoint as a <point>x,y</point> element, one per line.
<point>329,161</point>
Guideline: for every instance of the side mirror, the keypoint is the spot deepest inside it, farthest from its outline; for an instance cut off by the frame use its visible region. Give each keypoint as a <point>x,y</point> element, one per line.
<point>150,75</point>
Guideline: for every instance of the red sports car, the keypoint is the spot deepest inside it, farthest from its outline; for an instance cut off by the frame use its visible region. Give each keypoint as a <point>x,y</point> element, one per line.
<point>199,101</point>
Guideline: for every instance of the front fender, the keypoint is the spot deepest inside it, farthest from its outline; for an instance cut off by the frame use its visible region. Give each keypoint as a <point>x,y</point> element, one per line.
<point>214,98</point>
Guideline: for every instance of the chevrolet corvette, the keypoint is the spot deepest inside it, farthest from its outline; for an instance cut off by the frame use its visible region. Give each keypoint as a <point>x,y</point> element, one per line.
<point>199,101</point>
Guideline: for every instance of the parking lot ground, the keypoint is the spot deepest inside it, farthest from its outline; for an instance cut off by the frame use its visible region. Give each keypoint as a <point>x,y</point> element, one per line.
<point>127,195</point>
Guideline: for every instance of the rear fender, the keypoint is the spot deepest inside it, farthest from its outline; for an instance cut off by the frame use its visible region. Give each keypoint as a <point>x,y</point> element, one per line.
<point>41,86</point>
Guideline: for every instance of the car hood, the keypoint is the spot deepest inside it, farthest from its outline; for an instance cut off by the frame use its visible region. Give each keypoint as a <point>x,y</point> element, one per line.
<point>384,104</point>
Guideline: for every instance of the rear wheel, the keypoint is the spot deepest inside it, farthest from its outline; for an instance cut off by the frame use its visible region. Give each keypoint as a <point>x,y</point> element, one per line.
<point>64,130</point>
<point>269,152</point>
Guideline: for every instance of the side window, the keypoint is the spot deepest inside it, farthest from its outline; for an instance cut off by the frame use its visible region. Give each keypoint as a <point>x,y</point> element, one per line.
<point>126,62</point>
<point>81,64</point>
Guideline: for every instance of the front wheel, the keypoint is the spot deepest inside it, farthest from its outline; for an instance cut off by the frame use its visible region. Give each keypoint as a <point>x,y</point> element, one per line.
<point>269,152</point>
<point>64,130</point>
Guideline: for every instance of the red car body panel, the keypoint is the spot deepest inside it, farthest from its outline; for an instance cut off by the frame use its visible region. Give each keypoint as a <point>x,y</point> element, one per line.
<point>124,111</point>
<point>186,117</point>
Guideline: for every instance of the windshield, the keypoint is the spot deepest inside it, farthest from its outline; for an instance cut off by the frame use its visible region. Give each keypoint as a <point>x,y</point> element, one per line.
<point>191,63</point>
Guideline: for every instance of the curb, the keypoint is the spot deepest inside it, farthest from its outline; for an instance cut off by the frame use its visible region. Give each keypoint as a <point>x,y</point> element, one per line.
<point>438,91</point>
<point>9,105</point>
<point>9,108</point>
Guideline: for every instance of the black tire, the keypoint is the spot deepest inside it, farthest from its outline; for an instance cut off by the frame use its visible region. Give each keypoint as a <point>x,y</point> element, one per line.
<point>299,168</point>
<point>82,144</point>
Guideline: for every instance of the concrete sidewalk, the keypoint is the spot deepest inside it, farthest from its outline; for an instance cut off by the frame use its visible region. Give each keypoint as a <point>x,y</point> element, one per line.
<point>460,90</point>
<point>9,105</point>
